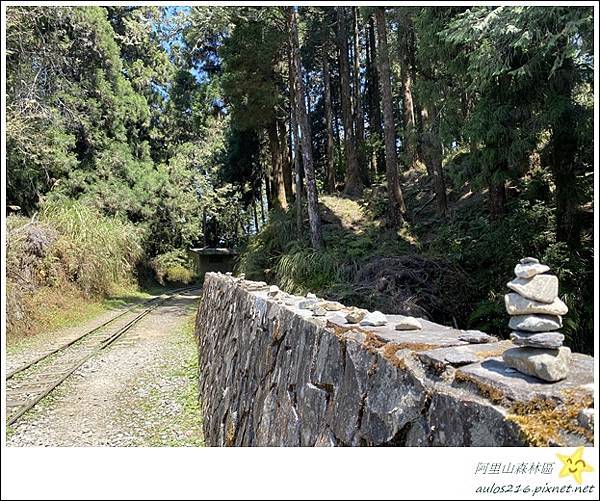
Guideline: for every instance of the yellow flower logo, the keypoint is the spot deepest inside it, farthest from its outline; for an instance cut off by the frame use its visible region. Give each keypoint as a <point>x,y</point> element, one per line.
<point>574,465</point>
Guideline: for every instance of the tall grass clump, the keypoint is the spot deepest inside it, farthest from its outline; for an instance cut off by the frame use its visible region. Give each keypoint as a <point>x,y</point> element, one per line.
<point>67,253</point>
<point>94,251</point>
<point>304,269</point>
<point>279,255</point>
<point>264,250</point>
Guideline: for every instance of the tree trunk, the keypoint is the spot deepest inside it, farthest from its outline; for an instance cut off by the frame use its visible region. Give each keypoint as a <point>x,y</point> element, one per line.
<point>563,150</point>
<point>396,200</point>
<point>369,97</point>
<point>568,227</point>
<point>354,185</point>
<point>285,162</point>
<point>299,175</point>
<point>262,205</point>
<point>418,127</point>
<point>204,229</point>
<point>268,177</point>
<point>256,228</point>
<point>359,117</point>
<point>295,137</point>
<point>278,186</point>
<point>311,185</point>
<point>336,128</point>
<point>406,76</point>
<point>374,98</point>
<point>497,199</point>
<point>329,152</point>
<point>432,156</point>
<point>412,58</point>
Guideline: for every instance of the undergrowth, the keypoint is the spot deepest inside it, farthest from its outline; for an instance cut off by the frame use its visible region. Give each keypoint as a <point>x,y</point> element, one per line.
<point>488,252</point>
<point>174,267</point>
<point>450,269</point>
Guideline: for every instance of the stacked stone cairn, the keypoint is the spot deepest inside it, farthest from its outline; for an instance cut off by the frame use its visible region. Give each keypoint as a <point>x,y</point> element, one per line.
<point>535,316</point>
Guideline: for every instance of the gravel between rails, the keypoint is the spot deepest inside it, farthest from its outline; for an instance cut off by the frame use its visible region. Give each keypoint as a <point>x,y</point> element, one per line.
<point>141,391</point>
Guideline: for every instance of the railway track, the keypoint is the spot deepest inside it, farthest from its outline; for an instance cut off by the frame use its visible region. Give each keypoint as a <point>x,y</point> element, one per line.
<point>30,383</point>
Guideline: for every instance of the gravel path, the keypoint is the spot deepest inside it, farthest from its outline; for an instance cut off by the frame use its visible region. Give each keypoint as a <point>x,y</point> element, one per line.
<point>141,391</point>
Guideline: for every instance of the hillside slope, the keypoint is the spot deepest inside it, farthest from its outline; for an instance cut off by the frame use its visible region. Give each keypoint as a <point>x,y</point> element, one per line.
<point>451,269</point>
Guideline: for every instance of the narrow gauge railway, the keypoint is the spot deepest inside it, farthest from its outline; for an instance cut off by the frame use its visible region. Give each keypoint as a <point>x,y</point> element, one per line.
<point>30,383</point>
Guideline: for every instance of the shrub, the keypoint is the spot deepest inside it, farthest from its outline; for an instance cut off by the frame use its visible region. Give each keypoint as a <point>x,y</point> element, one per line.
<point>94,251</point>
<point>266,248</point>
<point>173,266</point>
<point>488,251</point>
<point>303,270</point>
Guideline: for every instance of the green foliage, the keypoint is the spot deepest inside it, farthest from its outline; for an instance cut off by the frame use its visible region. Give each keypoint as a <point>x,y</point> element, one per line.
<point>303,270</point>
<point>576,275</point>
<point>488,252</point>
<point>174,267</point>
<point>136,132</point>
<point>251,55</point>
<point>266,248</point>
<point>79,107</point>
<point>112,123</point>
<point>518,66</point>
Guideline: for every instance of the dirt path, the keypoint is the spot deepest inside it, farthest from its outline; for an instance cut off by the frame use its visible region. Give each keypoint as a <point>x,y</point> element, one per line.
<point>141,391</point>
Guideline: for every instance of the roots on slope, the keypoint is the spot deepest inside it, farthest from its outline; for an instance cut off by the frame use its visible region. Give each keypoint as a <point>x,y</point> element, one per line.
<point>434,289</point>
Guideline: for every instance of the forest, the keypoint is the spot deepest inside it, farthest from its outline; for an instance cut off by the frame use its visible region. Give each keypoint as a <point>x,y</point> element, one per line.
<point>399,158</point>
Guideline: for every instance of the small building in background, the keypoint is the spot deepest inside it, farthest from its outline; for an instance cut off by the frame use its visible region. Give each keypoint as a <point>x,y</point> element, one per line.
<point>212,259</point>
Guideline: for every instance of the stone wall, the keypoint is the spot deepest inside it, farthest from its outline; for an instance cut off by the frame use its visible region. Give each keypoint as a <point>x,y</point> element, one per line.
<point>271,374</point>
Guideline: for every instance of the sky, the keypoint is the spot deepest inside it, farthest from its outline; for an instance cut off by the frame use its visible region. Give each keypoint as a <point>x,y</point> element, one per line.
<point>170,13</point>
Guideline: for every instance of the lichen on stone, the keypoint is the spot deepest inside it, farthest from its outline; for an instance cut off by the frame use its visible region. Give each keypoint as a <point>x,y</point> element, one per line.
<point>542,419</point>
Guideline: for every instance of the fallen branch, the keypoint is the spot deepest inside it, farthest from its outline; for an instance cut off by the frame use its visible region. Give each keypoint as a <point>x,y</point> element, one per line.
<point>425,205</point>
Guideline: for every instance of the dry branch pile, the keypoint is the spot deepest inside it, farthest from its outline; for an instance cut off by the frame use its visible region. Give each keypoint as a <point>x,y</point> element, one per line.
<point>412,285</point>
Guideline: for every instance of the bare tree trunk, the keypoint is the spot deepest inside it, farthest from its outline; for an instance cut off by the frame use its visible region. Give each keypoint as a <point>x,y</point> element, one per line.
<point>285,162</point>
<point>562,151</point>
<point>278,186</point>
<point>295,137</point>
<point>336,127</point>
<point>562,165</point>
<point>268,177</point>
<point>262,205</point>
<point>256,228</point>
<point>311,185</point>
<point>497,199</point>
<point>329,160</point>
<point>374,98</point>
<point>412,57</point>
<point>204,236</point>
<point>397,208</point>
<point>418,126</point>
<point>354,185</point>
<point>299,175</point>
<point>432,156</point>
<point>359,117</point>
<point>406,76</point>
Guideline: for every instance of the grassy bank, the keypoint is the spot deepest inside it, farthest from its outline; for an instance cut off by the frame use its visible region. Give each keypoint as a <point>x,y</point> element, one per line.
<point>56,310</point>
<point>67,264</point>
